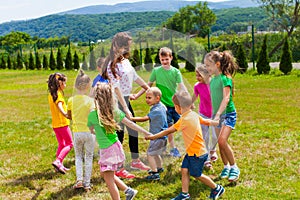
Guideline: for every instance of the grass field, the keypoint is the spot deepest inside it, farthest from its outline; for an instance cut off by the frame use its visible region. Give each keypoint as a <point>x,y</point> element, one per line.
<point>266,143</point>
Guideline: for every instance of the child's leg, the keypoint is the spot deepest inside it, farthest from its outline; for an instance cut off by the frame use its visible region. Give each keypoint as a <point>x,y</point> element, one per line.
<point>65,143</point>
<point>158,161</point>
<point>89,152</point>
<point>225,149</point>
<point>78,148</point>
<point>185,179</point>
<point>152,163</point>
<point>111,183</point>
<point>207,181</point>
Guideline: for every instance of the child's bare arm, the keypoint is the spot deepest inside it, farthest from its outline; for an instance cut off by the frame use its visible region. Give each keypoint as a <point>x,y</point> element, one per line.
<point>134,126</point>
<point>161,134</point>
<point>139,119</point>
<point>61,109</point>
<point>223,105</point>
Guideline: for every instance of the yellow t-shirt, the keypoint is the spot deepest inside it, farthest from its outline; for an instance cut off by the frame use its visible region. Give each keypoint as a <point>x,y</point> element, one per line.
<point>58,119</point>
<point>189,125</point>
<point>80,107</point>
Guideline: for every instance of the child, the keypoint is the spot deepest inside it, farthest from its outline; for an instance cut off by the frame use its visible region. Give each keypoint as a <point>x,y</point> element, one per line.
<point>201,89</point>
<point>79,106</point>
<point>223,67</point>
<point>99,77</point>
<point>158,122</point>
<point>167,79</point>
<point>196,155</point>
<point>60,122</point>
<point>104,121</point>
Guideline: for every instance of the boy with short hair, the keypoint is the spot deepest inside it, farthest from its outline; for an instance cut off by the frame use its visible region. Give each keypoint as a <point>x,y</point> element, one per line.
<point>196,154</point>
<point>158,121</point>
<point>167,79</point>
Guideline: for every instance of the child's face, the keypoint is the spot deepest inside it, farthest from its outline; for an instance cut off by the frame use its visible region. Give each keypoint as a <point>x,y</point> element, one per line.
<point>178,109</point>
<point>63,84</point>
<point>151,99</point>
<point>199,78</point>
<point>165,60</point>
<point>212,68</point>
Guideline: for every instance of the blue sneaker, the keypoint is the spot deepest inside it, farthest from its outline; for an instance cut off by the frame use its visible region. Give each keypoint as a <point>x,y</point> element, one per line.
<point>153,177</point>
<point>224,173</point>
<point>217,192</point>
<point>182,196</point>
<point>175,152</point>
<point>234,174</point>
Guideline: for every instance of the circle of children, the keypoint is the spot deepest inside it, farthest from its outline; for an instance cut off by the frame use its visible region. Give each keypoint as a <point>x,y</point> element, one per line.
<point>99,112</point>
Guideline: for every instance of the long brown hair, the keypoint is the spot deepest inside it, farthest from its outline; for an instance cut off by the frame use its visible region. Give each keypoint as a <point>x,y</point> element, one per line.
<point>119,48</point>
<point>54,84</point>
<point>105,105</point>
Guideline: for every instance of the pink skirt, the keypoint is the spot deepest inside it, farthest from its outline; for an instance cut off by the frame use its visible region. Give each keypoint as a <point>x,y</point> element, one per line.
<point>112,157</point>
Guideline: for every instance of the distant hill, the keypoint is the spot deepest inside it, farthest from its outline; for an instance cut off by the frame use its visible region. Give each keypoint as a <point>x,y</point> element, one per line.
<point>162,5</point>
<point>89,24</point>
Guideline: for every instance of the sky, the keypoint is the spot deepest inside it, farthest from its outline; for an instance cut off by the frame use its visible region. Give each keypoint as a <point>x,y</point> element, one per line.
<point>13,10</point>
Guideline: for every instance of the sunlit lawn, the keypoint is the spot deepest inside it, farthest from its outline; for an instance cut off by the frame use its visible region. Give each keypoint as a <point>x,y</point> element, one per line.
<point>265,142</point>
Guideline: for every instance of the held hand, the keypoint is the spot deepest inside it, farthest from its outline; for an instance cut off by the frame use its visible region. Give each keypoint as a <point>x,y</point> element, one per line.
<point>132,97</point>
<point>214,122</point>
<point>149,137</point>
<point>128,113</point>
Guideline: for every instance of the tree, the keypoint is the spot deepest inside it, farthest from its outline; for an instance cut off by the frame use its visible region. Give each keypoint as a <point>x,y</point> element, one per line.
<point>84,63</point>
<point>241,59</point>
<point>263,65</point>
<point>19,61</point>
<point>52,63</point>
<point>157,60</point>
<point>148,62</point>
<point>59,60</point>
<point>92,60</point>
<point>285,15</point>
<point>193,20</point>
<point>3,63</point>
<point>190,59</point>
<point>285,64</point>
<point>31,62</point>
<point>8,62</point>
<point>68,60</point>
<point>76,64</point>
<point>38,64</point>
<point>102,55</point>
<point>135,61</point>
<point>45,62</point>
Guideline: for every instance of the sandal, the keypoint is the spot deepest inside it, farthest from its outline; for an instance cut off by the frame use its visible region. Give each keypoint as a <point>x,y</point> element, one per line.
<point>214,157</point>
<point>78,185</point>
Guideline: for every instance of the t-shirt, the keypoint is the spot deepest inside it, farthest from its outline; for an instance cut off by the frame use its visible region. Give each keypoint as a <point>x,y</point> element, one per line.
<point>80,106</point>
<point>103,138</point>
<point>126,74</point>
<point>190,126</point>
<point>158,118</point>
<point>227,82</point>
<point>216,92</point>
<point>58,119</point>
<point>203,91</point>
<point>166,81</point>
<point>100,79</point>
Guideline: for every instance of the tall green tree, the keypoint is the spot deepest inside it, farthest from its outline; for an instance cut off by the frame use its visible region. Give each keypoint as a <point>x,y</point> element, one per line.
<point>31,62</point>
<point>9,66</point>
<point>3,63</point>
<point>285,15</point>
<point>263,63</point>
<point>76,63</point>
<point>190,59</point>
<point>135,61</point>
<point>148,62</point>
<point>19,61</point>
<point>45,62</point>
<point>84,63</point>
<point>156,59</point>
<point>59,60</point>
<point>241,59</point>
<point>92,60</point>
<point>68,60</point>
<point>285,64</point>
<point>38,64</point>
<point>52,63</point>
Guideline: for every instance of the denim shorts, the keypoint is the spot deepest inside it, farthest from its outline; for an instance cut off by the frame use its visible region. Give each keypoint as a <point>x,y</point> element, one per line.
<point>230,119</point>
<point>221,120</point>
<point>172,116</point>
<point>194,164</point>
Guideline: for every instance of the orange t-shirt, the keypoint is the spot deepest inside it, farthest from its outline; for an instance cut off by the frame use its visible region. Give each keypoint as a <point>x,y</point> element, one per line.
<point>58,119</point>
<point>189,125</point>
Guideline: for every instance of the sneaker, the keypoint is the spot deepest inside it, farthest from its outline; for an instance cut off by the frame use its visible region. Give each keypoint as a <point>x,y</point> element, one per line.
<point>88,187</point>
<point>123,173</point>
<point>182,196</point>
<point>130,193</point>
<point>175,152</point>
<point>160,170</point>
<point>224,173</point>
<point>154,176</point>
<point>217,192</point>
<point>214,156</point>
<point>59,167</point>
<point>78,185</point>
<point>139,165</point>
<point>66,169</point>
<point>234,174</point>
<point>207,164</point>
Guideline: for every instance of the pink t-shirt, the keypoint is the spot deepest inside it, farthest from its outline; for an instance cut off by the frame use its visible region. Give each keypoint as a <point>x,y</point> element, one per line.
<point>126,76</point>
<point>203,91</point>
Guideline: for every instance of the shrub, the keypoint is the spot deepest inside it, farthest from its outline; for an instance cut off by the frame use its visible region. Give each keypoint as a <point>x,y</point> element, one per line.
<point>263,65</point>
<point>285,64</point>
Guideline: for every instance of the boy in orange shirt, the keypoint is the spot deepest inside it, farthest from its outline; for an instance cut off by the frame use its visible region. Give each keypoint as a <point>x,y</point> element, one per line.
<point>196,154</point>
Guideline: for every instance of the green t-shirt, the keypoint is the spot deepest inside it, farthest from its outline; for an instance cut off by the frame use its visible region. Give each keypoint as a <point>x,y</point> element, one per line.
<point>166,81</point>
<point>103,138</point>
<point>216,92</point>
<point>227,82</point>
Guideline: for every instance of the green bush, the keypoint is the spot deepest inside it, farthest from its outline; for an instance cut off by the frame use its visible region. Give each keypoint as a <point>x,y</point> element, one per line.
<point>263,64</point>
<point>286,58</point>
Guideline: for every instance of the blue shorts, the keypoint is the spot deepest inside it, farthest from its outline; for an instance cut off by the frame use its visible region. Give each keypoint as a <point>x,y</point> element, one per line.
<point>194,164</point>
<point>230,119</point>
<point>157,147</point>
<point>222,118</point>
<point>172,116</point>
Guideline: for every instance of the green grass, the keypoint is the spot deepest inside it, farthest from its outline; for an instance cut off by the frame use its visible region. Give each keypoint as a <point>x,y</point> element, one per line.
<point>265,142</point>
